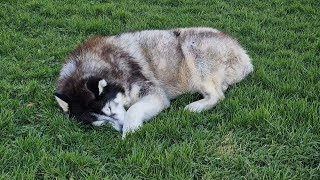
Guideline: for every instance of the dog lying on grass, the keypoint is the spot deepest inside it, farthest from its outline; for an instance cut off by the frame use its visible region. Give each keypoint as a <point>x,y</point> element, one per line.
<point>143,71</point>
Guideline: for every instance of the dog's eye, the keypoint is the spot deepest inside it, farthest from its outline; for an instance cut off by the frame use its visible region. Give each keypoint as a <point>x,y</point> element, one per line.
<point>107,109</point>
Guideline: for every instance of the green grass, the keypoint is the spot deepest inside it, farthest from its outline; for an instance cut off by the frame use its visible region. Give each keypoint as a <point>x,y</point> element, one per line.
<point>268,126</point>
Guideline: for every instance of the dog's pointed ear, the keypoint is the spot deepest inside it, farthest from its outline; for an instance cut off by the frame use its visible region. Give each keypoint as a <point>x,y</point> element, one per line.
<point>102,83</point>
<point>96,86</point>
<point>62,101</point>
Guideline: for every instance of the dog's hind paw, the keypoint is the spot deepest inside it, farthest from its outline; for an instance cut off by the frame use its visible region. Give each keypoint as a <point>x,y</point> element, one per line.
<point>194,107</point>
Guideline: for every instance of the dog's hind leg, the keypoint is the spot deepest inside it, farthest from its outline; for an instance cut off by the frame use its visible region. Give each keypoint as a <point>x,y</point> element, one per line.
<point>212,94</point>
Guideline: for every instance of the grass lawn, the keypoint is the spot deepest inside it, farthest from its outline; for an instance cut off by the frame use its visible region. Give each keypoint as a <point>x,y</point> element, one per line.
<point>268,126</point>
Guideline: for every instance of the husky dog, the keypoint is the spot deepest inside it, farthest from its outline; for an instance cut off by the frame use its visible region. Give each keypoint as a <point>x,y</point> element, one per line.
<point>129,78</point>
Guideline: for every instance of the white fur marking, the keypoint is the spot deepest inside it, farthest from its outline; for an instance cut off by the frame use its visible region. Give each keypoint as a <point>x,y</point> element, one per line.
<point>102,84</point>
<point>62,104</point>
<point>118,109</point>
<point>119,98</point>
<point>98,123</point>
<point>115,107</point>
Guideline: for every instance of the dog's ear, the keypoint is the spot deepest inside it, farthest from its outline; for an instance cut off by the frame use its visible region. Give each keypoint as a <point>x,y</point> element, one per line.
<point>96,85</point>
<point>62,101</point>
<point>102,83</point>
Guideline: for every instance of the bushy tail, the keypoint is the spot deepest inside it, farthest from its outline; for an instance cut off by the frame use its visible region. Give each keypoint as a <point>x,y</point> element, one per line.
<point>240,69</point>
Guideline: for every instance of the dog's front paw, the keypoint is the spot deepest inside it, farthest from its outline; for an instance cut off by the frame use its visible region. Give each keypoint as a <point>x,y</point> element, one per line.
<point>130,126</point>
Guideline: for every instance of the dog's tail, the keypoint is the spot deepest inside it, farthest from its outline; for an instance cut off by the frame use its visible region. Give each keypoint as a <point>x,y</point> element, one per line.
<point>240,66</point>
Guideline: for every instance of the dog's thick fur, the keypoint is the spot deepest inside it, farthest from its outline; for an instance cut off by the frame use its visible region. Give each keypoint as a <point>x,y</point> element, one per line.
<point>143,71</point>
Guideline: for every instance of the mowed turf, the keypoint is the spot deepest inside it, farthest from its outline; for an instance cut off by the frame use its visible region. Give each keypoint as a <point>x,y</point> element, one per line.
<point>268,126</point>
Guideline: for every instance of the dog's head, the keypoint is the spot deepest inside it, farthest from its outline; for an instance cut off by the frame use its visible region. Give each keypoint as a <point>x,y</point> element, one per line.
<point>93,101</point>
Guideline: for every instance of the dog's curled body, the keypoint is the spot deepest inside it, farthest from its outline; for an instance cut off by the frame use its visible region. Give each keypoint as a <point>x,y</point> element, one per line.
<point>144,70</point>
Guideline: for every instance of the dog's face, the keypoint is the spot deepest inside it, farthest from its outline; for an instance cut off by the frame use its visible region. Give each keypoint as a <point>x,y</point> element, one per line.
<point>94,101</point>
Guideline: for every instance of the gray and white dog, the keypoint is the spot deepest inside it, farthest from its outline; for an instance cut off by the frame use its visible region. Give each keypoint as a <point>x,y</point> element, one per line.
<point>127,79</point>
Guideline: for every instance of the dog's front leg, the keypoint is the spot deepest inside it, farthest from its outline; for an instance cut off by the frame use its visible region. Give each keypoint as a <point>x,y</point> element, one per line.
<point>143,110</point>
